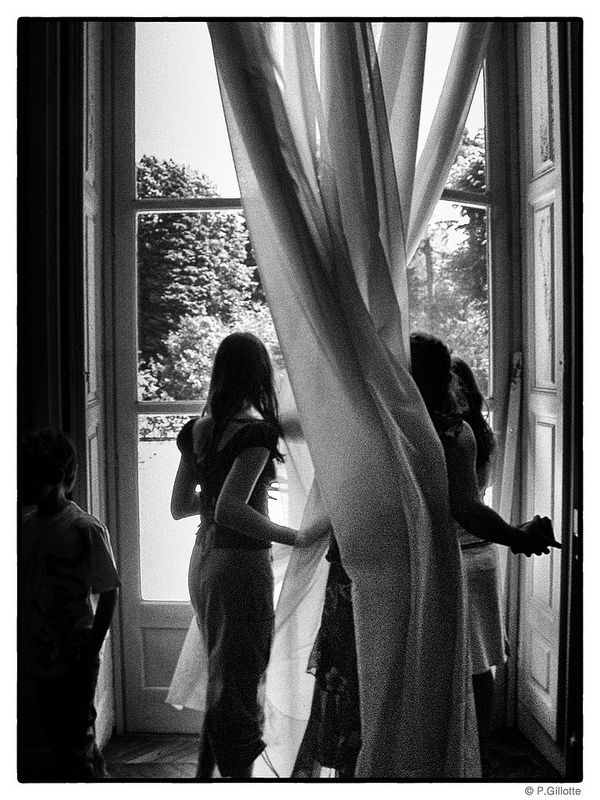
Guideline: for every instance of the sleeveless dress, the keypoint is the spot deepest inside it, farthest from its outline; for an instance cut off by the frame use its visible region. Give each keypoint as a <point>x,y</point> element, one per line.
<point>231,588</point>
<point>487,637</point>
<point>481,559</point>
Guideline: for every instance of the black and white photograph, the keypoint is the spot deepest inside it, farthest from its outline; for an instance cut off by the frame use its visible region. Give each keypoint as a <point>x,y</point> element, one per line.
<point>299,408</point>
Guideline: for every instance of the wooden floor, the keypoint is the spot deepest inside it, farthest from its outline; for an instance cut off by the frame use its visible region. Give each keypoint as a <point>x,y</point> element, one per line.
<point>162,757</point>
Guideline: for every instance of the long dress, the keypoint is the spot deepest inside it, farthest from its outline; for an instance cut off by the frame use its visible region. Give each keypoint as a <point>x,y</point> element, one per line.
<point>231,589</point>
<point>332,737</point>
<point>487,637</point>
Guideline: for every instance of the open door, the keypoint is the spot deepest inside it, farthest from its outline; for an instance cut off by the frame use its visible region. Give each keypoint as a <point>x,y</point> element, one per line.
<point>544,591</point>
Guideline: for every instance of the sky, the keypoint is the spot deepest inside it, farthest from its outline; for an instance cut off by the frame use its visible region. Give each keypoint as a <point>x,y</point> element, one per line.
<point>178,107</point>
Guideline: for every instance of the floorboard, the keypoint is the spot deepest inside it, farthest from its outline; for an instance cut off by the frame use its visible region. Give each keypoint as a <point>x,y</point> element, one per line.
<point>165,758</point>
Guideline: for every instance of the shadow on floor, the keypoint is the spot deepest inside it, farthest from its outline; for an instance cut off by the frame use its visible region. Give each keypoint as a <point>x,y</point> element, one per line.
<point>166,757</point>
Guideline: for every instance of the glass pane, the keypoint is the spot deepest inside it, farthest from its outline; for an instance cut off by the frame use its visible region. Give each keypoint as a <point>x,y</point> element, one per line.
<point>180,127</point>
<point>468,172</point>
<point>441,37</point>
<point>166,544</point>
<point>197,282</point>
<point>470,167</point>
<point>448,285</point>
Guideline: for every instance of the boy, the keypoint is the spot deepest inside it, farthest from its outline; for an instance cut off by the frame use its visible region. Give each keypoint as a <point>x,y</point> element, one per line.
<point>66,558</point>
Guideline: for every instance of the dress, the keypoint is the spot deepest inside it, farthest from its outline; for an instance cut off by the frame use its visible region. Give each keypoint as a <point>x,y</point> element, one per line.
<point>332,738</point>
<point>487,638</point>
<point>231,589</point>
<point>66,559</point>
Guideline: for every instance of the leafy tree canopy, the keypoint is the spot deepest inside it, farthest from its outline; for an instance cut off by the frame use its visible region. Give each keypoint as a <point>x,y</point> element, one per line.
<point>197,281</point>
<point>447,278</point>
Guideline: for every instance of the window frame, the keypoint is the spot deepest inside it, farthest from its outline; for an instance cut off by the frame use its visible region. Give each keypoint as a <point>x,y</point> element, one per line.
<point>499,200</point>
<point>123,405</point>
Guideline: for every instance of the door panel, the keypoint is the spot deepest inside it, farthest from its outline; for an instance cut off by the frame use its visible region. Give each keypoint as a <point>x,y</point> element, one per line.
<point>161,630</point>
<point>540,605</point>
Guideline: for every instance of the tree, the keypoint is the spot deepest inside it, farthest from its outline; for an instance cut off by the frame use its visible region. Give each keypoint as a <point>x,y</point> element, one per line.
<point>189,264</point>
<point>469,263</point>
<point>447,278</point>
<point>198,280</point>
<point>183,372</point>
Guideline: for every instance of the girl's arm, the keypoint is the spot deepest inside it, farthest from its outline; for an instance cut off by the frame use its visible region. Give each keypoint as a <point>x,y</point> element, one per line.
<point>470,512</point>
<point>185,500</point>
<point>232,509</point>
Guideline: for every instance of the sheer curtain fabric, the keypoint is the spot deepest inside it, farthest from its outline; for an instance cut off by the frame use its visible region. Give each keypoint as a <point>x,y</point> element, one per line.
<point>323,131</point>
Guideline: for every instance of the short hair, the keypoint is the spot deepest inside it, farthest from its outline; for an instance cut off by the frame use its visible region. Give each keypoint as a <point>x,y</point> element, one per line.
<point>53,453</point>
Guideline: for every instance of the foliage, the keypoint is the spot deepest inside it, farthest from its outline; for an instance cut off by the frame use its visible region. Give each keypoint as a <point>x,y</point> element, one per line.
<point>447,278</point>
<point>468,171</point>
<point>189,264</point>
<point>197,281</point>
<point>183,372</point>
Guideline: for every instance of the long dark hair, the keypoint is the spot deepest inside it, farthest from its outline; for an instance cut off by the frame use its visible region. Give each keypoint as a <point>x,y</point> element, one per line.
<point>473,410</point>
<point>242,373</point>
<point>432,372</point>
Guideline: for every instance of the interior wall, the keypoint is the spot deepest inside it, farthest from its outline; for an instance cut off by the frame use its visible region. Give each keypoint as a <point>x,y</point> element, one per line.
<point>51,365</point>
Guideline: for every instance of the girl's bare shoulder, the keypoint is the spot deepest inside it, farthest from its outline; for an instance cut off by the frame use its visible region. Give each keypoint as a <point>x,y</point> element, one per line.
<point>462,440</point>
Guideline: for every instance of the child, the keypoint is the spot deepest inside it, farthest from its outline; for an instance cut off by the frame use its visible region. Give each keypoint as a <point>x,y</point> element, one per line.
<point>230,454</point>
<point>66,558</point>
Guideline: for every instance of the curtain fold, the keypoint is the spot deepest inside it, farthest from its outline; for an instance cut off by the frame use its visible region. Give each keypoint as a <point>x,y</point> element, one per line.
<point>320,193</point>
<point>446,129</point>
<point>402,50</point>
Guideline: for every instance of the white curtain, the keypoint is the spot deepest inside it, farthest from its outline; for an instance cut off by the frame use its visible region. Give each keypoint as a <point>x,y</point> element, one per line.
<point>335,205</point>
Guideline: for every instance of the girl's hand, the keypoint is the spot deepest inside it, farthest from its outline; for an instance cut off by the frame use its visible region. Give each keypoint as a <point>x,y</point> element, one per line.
<point>311,534</point>
<point>537,537</point>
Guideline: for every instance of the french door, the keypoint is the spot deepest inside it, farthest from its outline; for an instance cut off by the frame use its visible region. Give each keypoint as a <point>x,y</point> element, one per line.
<point>153,549</point>
<point>184,276</point>
<point>543,597</point>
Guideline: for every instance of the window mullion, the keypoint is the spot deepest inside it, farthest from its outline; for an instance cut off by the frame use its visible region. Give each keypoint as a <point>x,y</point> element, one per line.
<point>177,204</point>
<point>477,199</point>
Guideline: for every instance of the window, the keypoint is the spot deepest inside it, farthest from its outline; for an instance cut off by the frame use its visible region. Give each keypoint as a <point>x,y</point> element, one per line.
<point>183,273</point>
<point>197,279</point>
<point>448,275</point>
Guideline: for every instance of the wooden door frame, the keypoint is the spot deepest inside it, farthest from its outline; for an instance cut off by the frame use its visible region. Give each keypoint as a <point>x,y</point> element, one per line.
<point>506,316</point>
<point>570,709</point>
<point>109,77</point>
<point>116,155</point>
<point>566,751</point>
<point>141,615</point>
